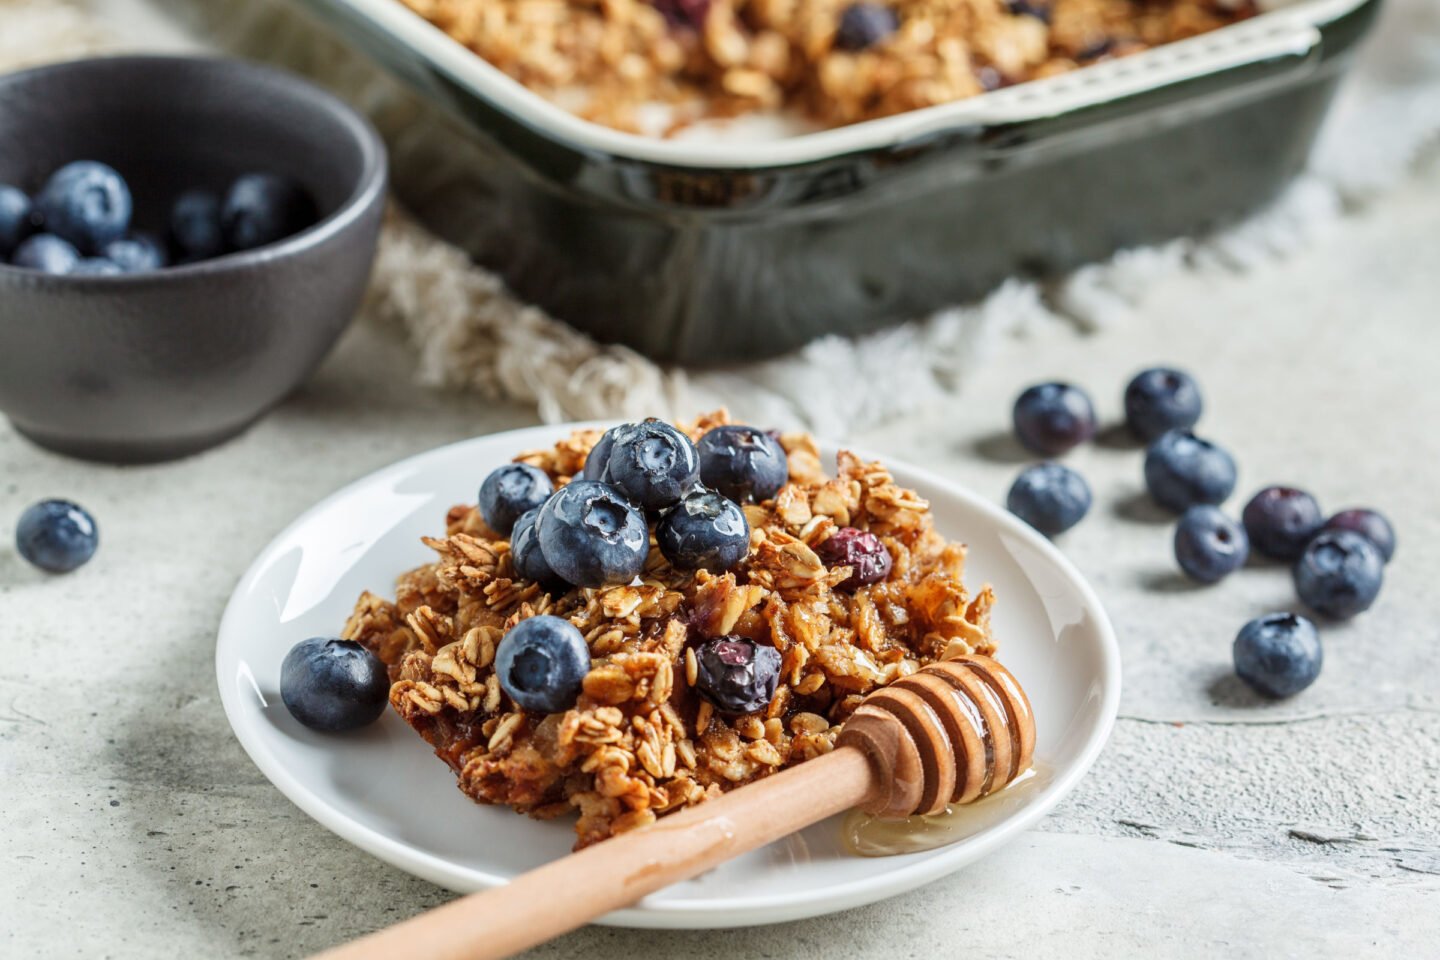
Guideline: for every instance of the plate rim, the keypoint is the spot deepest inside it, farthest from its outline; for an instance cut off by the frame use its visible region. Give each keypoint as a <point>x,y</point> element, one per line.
<point>712,913</point>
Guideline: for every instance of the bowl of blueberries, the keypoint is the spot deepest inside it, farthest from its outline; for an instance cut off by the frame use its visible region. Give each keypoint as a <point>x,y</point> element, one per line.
<point>182,241</point>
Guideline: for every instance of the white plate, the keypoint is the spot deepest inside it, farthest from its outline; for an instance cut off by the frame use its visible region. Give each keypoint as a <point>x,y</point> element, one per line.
<point>385,791</point>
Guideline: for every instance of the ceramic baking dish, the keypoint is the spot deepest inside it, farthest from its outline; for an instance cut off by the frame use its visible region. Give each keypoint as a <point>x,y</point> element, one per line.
<point>728,249</point>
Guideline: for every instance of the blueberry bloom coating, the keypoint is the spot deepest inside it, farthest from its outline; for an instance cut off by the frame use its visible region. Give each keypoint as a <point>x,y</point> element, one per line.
<point>1281,520</point>
<point>510,491</point>
<point>263,208</point>
<point>1160,400</point>
<point>17,218</point>
<point>1339,574</point>
<point>653,464</point>
<point>737,675</point>
<point>597,461</point>
<point>1370,524</point>
<point>1209,546</point>
<point>591,535</point>
<point>743,463</point>
<point>195,226</point>
<point>864,25</point>
<point>1050,497</point>
<point>85,203</point>
<point>862,552</point>
<point>1278,655</point>
<point>56,535</point>
<point>47,253</point>
<point>525,554</point>
<point>1182,470</point>
<point>137,253</point>
<point>333,685</point>
<point>705,531</point>
<point>1051,418</point>
<point>541,664</point>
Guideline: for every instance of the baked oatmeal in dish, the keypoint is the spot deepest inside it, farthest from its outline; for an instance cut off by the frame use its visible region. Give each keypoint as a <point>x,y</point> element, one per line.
<point>767,603</point>
<point>832,61</point>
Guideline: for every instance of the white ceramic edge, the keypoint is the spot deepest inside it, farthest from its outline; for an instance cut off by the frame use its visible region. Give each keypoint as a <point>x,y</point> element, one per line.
<point>1290,28</point>
<point>715,913</point>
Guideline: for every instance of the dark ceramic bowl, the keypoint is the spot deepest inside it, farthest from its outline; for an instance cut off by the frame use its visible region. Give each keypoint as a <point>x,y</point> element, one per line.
<point>154,366</point>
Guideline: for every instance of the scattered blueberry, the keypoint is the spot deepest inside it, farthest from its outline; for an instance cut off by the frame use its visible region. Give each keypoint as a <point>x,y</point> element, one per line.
<point>737,675</point>
<point>705,531</point>
<point>1051,418</point>
<point>653,464</point>
<point>688,14</point>
<point>541,664</point>
<point>1279,654</point>
<point>510,491</point>
<point>1029,8</point>
<point>96,267</point>
<point>86,203</point>
<point>17,219</point>
<point>1160,400</point>
<point>1281,520</point>
<point>1050,497</point>
<point>591,535</point>
<point>1368,523</point>
<point>137,253</point>
<point>863,25</point>
<point>47,253</point>
<point>333,685</point>
<point>862,552</point>
<point>195,226</point>
<point>56,535</point>
<point>1210,546</point>
<point>262,208</point>
<point>1182,470</point>
<point>525,555</point>
<point>597,461</point>
<point>1339,574</point>
<point>743,463</point>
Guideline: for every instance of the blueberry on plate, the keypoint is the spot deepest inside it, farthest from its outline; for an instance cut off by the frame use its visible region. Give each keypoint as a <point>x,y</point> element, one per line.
<point>1050,497</point>
<point>525,554</point>
<point>1370,524</point>
<point>47,253</point>
<point>1281,520</point>
<point>262,208</point>
<point>510,491</point>
<point>541,664</point>
<point>705,531</point>
<point>591,535</point>
<point>653,464</point>
<point>1210,546</point>
<point>597,461</point>
<point>56,535</point>
<point>96,267</point>
<point>1278,655</point>
<point>17,218</point>
<point>1339,574</point>
<point>1160,400</point>
<point>743,463</point>
<point>333,685</point>
<point>862,552</point>
<point>195,226</point>
<point>85,203</point>
<point>864,25</point>
<point>1052,418</point>
<point>736,675</point>
<point>137,253</point>
<point>1182,470</point>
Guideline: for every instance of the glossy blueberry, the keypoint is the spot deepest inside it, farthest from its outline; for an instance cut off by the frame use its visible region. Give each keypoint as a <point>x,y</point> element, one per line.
<point>137,253</point>
<point>333,685</point>
<point>1051,418</point>
<point>541,663</point>
<point>1279,654</point>
<point>1160,400</point>
<point>1339,574</point>
<point>86,203</point>
<point>862,552</point>
<point>591,535</point>
<point>1182,470</point>
<point>1370,524</point>
<point>743,463</point>
<point>653,464</point>
<point>597,461</point>
<point>1281,520</point>
<point>17,218</point>
<point>195,226</point>
<point>262,208</point>
<point>47,253</point>
<point>525,554</point>
<point>705,531</point>
<point>510,491</point>
<point>56,535</point>
<point>863,25</point>
<point>736,675</point>
<point>96,267</point>
<point>1050,497</point>
<point>1210,546</point>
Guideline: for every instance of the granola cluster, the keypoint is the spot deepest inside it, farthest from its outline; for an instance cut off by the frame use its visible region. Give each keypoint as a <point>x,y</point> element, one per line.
<point>640,741</point>
<point>613,61</point>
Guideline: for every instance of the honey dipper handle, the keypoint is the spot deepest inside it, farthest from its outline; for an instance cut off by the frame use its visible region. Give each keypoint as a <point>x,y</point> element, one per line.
<point>574,890</point>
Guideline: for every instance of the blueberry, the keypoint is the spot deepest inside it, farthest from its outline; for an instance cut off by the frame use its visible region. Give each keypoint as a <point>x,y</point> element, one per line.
<point>1370,524</point>
<point>56,535</point>
<point>1182,470</point>
<point>1210,546</point>
<point>653,464</point>
<point>862,552</point>
<point>688,14</point>
<point>47,253</point>
<point>743,463</point>
<point>1050,497</point>
<point>195,226</point>
<point>333,685</point>
<point>510,491</point>
<point>1029,8</point>
<point>1161,400</point>
<point>541,664</point>
<point>1279,654</point>
<point>262,208</point>
<point>526,556</point>
<point>591,535</point>
<point>1339,574</point>
<point>96,267</point>
<point>86,203</point>
<point>705,531</point>
<point>1281,520</point>
<point>863,25</point>
<point>17,219</point>
<point>597,461</point>
<point>1051,418</point>
<point>736,675</point>
<point>137,253</point>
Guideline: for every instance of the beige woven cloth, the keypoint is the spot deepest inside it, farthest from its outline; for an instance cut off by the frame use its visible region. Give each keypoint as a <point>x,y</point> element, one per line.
<point>469,332</point>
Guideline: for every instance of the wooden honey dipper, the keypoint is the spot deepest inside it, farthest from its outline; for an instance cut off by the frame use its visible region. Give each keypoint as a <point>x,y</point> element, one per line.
<point>950,733</point>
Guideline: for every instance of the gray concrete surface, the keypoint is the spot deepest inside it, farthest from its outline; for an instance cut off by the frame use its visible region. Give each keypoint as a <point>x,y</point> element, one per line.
<point>134,826</point>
